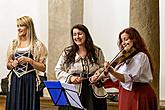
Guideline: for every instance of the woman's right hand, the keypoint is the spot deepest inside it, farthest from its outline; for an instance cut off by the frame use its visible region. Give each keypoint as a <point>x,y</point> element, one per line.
<point>75,80</point>
<point>14,63</point>
<point>106,67</point>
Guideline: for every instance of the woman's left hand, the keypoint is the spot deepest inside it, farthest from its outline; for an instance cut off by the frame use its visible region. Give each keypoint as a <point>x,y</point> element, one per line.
<point>24,59</point>
<point>94,78</point>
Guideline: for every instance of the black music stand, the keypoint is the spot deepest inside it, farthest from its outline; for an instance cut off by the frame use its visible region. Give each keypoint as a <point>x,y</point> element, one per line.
<point>63,94</point>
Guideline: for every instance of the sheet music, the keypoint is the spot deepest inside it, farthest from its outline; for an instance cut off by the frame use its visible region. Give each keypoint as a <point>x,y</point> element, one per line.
<point>72,95</point>
<point>61,92</point>
<point>69,86</point>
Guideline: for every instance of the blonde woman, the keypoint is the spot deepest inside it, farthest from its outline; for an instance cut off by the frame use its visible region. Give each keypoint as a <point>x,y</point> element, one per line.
<point>26,56</point>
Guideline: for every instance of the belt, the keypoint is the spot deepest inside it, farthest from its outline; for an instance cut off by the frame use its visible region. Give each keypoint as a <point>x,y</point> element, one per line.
<point>83,75</point>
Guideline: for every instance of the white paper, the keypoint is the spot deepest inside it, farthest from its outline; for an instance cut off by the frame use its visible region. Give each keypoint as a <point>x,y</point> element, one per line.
<point>72,95</point>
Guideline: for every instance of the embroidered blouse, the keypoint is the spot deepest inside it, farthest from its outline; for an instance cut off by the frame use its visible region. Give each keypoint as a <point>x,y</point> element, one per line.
<point>81,66</point>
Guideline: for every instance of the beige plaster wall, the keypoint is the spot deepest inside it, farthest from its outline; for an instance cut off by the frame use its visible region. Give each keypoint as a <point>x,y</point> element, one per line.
<point>63,14</point>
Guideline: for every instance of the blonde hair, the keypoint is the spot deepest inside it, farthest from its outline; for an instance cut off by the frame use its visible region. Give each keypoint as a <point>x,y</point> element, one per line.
<point>36,46</point>
<point>31,34</point>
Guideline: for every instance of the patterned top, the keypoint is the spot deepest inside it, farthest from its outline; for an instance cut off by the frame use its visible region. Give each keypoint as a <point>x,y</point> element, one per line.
<point>37,50</point>
<point>23,68</point>
<point>82,67</point>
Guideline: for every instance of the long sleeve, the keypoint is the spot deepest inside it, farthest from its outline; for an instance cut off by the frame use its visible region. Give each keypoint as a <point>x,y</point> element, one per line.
<point>60,70</point>
<point>136,69</point>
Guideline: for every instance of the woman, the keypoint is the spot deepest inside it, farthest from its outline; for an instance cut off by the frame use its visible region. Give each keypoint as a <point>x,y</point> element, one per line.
<point>133,70</point>
<point>26,57</point>
<point>77,63</point>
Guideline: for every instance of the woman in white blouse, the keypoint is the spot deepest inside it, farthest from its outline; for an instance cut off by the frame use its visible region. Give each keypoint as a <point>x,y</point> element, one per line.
<point>134,73</point>
<point>77,63</point>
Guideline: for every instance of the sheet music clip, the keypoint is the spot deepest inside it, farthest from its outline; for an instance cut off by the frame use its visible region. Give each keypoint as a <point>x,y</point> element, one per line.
<point>63,94</point>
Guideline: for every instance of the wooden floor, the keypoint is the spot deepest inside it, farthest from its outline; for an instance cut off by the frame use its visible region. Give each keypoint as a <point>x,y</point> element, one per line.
<point>47,104</point>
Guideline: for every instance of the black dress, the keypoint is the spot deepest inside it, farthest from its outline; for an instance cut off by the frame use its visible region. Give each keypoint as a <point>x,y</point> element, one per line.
<point>23,94</point>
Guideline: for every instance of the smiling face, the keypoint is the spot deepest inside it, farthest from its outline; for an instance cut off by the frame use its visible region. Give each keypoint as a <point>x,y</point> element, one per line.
<point>79,37</point>
<point>126,42</point>
<point>22,30</point>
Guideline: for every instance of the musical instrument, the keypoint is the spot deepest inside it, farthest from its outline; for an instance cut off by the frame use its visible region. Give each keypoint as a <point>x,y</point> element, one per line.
<point>119,58</point>
<point>123,57</point>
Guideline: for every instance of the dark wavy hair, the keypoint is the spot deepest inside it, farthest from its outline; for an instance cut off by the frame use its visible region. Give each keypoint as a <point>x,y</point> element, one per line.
<point>138,42</point>
<point>91,53</point>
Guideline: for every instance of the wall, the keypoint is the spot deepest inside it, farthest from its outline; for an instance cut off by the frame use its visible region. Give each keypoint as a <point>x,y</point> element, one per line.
<point>10,10</point>
<point>105,20</point>
<point>162,51</point>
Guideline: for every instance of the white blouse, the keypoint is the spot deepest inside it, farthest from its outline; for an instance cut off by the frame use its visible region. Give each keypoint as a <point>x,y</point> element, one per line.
<point>136,69</point>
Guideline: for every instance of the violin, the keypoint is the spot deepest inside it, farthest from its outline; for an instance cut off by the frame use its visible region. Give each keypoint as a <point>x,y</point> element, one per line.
<point>121,57</point>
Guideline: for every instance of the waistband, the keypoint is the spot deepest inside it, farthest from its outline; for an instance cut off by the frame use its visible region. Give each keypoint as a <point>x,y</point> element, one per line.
<point>83,75</point>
